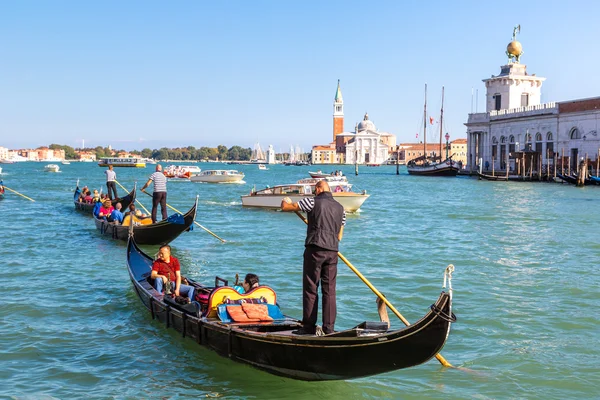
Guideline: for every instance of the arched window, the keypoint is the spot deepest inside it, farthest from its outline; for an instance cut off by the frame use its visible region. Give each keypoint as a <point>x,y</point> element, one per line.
<point>494,140</point>
<point>511,139</point>
<point>574,134</point>
<point>502,139</point>
<point>549,136</point>
<point>538,137</point>
<point>538,142</point>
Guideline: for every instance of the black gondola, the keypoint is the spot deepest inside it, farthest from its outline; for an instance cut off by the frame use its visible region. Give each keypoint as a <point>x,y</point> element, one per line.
<point>573,179</point>
<point>161,232</point>
<point>367,349</point>
<point>88,208</point>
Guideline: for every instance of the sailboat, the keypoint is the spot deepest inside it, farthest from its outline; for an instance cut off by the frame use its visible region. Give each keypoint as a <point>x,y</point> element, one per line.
<point>429,166</point>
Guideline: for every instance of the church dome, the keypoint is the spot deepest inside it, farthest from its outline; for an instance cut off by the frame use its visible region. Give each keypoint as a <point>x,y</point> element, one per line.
<point>514,48</point>
<point>366,124</point>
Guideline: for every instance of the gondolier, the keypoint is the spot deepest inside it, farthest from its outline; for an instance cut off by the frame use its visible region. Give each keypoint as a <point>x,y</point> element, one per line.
<point>160,192</point>
<point>326,220</point>
<point>111,177</point>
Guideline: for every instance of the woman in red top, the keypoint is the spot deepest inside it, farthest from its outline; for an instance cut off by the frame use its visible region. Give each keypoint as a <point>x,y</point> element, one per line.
<point>106,209</point>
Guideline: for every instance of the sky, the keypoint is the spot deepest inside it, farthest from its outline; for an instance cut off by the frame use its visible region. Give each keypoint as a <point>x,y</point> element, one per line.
<point>137,74</point>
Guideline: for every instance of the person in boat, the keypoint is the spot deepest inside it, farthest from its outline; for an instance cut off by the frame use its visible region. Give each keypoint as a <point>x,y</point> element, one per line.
<point>106,209</point>
<point>96,196</point>
<point>116,215</point>
<point>250,282</point>
<point>159,195</point>
<point>111,178</point>
<point>82,194</point>
<point>326,220</point>
<point>134,211</point>
<point>166,268</point>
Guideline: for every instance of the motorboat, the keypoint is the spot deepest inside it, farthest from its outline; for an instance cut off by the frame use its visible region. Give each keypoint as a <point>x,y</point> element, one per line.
<point>218,176</point>
<point>181,171</point>
<point>319,174</point>
<point>65,162</point>
<point>262,167</point>
<point>336,183</point>
<point>271,197</point>
<point>52,168</point>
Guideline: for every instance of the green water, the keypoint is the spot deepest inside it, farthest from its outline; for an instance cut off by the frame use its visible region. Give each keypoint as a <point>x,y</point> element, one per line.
<point>525,287</point>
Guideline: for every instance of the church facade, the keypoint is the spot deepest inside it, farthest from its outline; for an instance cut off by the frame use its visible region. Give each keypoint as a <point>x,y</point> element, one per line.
<point>366,145</point>
<point>516,122</point>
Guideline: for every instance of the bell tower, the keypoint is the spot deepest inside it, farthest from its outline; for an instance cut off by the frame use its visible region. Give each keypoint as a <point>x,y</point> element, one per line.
<point>338,112</point>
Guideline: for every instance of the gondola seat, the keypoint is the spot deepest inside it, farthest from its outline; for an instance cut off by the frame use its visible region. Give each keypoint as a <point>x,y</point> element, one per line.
<point>228,295</point>
<point>230,313</point>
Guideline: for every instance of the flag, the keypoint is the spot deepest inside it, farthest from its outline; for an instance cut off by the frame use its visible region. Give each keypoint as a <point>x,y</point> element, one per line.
<point>417,136</point>
<point>431,120</point>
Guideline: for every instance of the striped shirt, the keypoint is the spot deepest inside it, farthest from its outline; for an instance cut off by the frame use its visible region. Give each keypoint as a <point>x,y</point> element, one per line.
<point>160,181</point>
<point>308,203</point>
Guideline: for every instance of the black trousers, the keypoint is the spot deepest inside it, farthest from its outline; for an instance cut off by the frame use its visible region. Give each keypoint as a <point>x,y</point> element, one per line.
<point>320,267</point>
<point>112,186</point>
<point>159,198</point>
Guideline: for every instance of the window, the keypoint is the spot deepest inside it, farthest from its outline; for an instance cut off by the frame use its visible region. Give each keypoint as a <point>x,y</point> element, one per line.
<point>538,137</point>
<point>574,134</point>
<point>498,104</point>
<point>524,100</point>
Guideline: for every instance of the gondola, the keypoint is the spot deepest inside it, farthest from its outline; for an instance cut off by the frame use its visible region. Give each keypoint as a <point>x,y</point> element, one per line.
<point>573,179</point>
<point>162,232</point>
<point>88,208</point>
<point>367,349</point>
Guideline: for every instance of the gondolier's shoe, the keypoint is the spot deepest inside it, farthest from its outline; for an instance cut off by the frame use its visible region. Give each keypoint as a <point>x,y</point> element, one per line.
<point>304,331</point>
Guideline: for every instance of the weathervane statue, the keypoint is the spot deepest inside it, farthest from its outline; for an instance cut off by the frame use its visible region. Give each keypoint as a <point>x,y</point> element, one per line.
<point>514,50</point>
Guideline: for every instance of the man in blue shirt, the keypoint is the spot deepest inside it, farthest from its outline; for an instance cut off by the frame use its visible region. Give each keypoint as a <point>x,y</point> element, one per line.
<point>116,215</point>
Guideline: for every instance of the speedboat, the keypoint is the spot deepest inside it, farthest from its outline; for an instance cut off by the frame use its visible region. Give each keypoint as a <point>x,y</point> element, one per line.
<point>52,168</point>
<point>271,197</point>
<point>180,171</point>
<point>262,167</point>
<point>218,176</point>
<point>65,162</point>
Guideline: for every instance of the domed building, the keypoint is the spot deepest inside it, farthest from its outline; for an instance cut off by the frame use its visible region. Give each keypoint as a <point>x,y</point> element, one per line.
<point>366,145</point>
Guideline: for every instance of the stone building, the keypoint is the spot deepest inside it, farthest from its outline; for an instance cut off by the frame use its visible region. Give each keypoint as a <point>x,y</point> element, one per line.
<point>517,123</point>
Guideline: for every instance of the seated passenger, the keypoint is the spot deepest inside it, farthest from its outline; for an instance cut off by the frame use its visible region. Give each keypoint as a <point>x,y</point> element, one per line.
<point>106,209</point>
<point>96,196</point>
<point>82,194</point>
<point>167,269</point>
<point>116,215</point>
<point>88,196</point>
<point>250,282</point>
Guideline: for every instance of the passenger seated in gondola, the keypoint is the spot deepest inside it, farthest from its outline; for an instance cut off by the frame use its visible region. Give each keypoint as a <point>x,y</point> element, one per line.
<point>134,211</point>
<point>116,215</point>
<point>251,281</point>
<point>96,196</point>
<point>88,196</point>
<point>82,194</point>
<point>106,209</point>
<point>165,269</point>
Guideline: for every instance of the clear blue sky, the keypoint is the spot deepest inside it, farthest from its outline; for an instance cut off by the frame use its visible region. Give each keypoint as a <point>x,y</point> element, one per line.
<point>137,74</point>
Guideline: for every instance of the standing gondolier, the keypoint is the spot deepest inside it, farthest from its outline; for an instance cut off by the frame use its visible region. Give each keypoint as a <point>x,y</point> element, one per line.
<point>160,192</point>
<point>111,177</point>
<point>326,220</point>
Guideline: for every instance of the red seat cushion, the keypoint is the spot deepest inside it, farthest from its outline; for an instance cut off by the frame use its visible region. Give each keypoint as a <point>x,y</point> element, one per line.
<point>260,311</point>
<point>238,315</point>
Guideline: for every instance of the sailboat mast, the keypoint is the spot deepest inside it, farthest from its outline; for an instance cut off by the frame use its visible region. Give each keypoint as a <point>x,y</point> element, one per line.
<point>441,125</point>
<point>425,128</point>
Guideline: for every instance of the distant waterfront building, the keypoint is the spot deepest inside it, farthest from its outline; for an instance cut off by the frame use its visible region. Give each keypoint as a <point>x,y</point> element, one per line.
<point>271,155</point>
<point>516,121</point>
<point>407,152</point>
<point>3,153</point>
<point>366,145</point>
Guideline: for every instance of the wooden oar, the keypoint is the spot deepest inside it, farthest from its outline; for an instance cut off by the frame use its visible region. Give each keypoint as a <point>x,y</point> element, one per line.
<point>176,210</point>
<point>439,357</point>
<point>14,191</point>
<point>139,202</point>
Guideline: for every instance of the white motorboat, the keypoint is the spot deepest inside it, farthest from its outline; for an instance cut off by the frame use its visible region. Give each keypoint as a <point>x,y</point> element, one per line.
<point>52,168</point>
<point>218,176</point>
<point>262,167</point>
<point>336,183</point>
<point>0,170</point>
<point>181,171</point>
<point>271,197</point>
<point>65,162</point>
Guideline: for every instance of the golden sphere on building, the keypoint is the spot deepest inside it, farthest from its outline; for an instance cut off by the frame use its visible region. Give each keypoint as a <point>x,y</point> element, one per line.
<point>514,48</point>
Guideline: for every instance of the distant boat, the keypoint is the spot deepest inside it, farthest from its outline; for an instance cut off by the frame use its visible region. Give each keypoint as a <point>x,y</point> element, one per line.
<point>218,176</point>
<point>122,162</point>
<point>52,168</point>
<point>429,166</point>
<point>0,170</point>
<point>65,162</point>
<point>262,167</point>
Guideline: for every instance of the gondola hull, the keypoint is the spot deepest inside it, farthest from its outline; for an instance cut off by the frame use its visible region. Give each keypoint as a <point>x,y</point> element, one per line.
<point>348,354</point>
<point>162,232</point>
<point>88,208</point>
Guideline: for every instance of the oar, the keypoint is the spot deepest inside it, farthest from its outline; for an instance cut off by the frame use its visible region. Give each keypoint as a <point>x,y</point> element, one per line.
<point>139,202</point>
<point>207,230</point>
<point>14,191</point>
<point>439,357</point>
